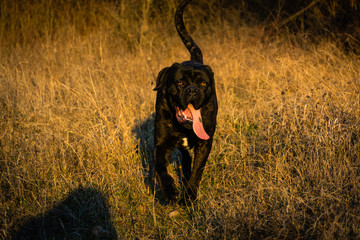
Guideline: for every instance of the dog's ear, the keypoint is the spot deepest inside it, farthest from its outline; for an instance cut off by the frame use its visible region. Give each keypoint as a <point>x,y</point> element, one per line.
<point>208,68</point>
<point>163,76</point>
<point>161,79</point>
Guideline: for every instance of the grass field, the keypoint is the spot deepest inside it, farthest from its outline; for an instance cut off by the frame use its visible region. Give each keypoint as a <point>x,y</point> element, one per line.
<point>76,126</point>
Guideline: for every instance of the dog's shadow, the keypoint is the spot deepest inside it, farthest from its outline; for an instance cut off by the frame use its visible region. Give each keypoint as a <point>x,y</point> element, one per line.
<point>84,214</point>
<point>144,133</point>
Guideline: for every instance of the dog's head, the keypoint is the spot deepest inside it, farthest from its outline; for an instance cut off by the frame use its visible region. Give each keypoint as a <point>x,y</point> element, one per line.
<point>187,87</point>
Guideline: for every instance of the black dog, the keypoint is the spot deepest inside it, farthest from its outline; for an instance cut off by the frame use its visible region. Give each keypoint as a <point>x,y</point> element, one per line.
<point>186,109</point>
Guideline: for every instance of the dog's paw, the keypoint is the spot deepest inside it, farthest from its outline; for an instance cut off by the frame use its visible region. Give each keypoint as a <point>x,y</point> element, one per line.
<point>171,195</point>
<point>186,199</point>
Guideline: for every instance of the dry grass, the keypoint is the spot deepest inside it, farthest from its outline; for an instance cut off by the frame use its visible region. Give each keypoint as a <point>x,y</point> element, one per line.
<point>76,105</point>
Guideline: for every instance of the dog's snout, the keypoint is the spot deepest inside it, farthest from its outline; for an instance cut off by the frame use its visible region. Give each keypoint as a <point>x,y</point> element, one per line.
<point>192,90</point>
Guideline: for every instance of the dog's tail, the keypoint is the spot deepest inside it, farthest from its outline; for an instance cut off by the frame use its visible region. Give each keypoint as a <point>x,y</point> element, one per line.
<point>190,44</point>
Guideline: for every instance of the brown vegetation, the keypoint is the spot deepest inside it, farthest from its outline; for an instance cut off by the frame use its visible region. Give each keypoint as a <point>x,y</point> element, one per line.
<point>76,122</point>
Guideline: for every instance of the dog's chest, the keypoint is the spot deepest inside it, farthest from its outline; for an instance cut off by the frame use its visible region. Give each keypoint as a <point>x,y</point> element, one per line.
<point>185,143</point>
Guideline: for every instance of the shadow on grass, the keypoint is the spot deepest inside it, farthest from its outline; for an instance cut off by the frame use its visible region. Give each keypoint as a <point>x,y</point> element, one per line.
<point>84,214</point>
<point>144,133</point>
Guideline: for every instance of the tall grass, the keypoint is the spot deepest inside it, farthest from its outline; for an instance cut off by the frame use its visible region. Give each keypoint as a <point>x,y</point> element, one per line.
<point>76,127</point>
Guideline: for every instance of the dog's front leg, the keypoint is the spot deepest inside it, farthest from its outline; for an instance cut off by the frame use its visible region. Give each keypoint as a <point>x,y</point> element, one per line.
<point>166,182</point>
<point>201,154</point>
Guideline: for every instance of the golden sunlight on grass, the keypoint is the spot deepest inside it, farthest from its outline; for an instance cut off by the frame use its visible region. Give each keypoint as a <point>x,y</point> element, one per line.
<point>76,128</point>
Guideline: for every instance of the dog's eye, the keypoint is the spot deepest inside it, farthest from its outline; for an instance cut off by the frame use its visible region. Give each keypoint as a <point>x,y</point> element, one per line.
<point>204,84</point>
<point>179,83</point>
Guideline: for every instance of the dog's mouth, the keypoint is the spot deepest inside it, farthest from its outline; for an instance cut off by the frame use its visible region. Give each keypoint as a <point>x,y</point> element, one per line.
<point>190,114</point>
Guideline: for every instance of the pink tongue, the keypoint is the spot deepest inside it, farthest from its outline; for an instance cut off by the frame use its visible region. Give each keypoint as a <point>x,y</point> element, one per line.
<point>197,123</point>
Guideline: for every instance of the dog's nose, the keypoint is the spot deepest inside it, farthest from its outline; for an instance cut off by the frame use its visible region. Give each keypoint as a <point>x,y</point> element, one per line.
<point>191,90</point>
